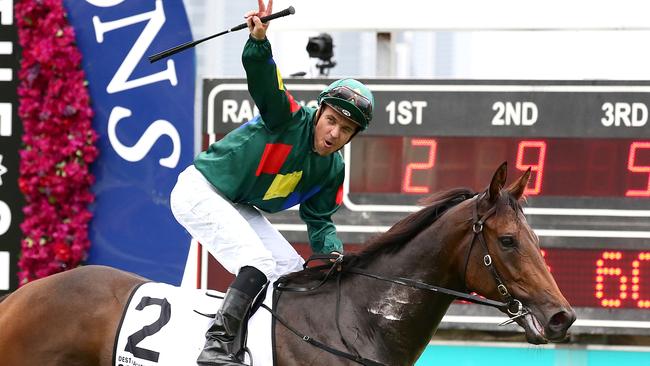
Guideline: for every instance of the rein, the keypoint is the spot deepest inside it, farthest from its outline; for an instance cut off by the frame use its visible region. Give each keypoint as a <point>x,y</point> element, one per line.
<point>513,306</point>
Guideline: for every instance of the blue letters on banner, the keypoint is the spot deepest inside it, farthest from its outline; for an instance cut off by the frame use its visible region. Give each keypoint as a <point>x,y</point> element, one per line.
<point>144,114</point>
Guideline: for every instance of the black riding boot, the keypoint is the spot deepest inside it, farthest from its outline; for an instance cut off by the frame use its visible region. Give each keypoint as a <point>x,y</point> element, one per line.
<point>225,338</point>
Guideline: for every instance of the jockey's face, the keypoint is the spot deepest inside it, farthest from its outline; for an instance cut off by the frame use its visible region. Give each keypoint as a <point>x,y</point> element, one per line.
<point>332,131</point>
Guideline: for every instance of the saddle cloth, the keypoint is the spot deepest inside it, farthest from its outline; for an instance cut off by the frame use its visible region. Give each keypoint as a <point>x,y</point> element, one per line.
<point>164,325</point>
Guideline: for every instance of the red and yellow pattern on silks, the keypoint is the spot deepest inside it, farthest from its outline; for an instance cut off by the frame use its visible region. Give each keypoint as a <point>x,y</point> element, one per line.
<point>271,162</point>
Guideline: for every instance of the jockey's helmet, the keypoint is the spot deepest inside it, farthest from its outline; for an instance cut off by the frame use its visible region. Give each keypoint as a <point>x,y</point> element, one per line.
<point>350,98</point>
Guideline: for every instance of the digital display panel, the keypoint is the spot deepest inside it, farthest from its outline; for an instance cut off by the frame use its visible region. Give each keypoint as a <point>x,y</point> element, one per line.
<point>566,167</point>
<point>602,278</point>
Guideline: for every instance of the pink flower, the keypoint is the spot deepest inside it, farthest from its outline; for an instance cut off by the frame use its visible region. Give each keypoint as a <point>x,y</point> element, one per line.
<point>62,251</point>
<point>58,139</point>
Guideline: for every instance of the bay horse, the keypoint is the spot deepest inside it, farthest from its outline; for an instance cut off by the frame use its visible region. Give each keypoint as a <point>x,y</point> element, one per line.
<point>379,306</point>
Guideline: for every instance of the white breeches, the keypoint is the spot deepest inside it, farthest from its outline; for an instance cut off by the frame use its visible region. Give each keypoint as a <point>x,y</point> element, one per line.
<point>237,235</point>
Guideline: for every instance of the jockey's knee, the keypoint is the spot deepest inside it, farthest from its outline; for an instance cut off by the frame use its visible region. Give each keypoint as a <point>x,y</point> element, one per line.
<point>296,264</point>
<point>288,265</point>
<point>264,265</point>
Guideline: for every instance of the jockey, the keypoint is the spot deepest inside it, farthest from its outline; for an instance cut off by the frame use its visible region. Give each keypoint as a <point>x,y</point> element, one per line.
<point>286,156</point>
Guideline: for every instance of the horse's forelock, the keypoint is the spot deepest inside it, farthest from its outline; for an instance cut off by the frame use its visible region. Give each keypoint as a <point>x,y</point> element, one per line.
<point>506,199</point>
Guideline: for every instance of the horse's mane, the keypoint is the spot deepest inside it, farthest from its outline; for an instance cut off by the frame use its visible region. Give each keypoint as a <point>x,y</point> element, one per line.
<point>409,227</point>
<point>399,234</point>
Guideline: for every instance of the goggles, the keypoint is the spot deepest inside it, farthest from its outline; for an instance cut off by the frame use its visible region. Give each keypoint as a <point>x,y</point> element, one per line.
<point>347,94</point>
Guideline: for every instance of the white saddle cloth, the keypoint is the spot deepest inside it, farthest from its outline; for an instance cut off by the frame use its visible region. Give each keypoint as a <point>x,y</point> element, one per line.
<point>162,326</point>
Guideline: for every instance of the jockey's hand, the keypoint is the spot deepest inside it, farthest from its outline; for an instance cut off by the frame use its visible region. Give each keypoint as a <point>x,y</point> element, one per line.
<point>255,25</point>
<point>335,253</point>
<point>334,260</point>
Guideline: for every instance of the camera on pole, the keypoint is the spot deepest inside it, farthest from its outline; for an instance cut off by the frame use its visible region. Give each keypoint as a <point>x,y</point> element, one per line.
<point>322,48</point>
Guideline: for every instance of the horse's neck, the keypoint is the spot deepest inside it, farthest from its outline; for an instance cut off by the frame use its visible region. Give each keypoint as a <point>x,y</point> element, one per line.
<point>408,317</point>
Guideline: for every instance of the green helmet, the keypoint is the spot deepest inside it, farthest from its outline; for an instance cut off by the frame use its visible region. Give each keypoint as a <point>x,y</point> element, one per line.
<point>350,98</point>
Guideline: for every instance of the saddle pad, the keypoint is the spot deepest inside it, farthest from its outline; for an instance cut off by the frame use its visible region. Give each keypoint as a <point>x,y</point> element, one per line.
<point>164,325</point>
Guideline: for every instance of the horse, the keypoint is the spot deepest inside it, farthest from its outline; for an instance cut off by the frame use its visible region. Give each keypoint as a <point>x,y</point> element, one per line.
<point>379,306</point>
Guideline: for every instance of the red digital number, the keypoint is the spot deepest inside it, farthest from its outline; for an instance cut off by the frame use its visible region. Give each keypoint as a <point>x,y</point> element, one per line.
<point>602,271</point>
<point>407,186</point>
<point>624,285</point>
<point>636,283</point>
<point>537,168</point>
<point>633,167</point>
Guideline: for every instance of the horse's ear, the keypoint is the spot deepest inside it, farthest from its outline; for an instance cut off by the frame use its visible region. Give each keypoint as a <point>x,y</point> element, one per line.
<point>517,188</point>
<point>498,182</point>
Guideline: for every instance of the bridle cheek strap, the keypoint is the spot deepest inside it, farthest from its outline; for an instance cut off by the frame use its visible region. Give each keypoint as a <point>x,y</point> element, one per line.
<point>514,307</point>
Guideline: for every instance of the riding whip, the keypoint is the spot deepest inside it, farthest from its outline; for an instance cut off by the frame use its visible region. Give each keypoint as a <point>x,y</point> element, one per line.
<point>153,58</point>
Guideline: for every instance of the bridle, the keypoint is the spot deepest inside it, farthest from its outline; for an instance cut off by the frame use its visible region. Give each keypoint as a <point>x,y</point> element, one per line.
<point>513,306</point>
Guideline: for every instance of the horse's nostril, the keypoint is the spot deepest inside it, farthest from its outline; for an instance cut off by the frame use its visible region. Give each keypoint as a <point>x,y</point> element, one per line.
<point>560,321</point>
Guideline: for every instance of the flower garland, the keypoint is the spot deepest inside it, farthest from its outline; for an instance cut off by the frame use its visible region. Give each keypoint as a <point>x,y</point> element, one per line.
<point>58,142</point>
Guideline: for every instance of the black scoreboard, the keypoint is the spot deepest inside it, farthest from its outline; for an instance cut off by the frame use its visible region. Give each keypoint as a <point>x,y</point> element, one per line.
<point>586,142</point>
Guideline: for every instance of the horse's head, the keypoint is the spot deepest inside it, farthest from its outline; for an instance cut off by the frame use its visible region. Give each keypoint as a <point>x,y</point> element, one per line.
<point>516,259</point>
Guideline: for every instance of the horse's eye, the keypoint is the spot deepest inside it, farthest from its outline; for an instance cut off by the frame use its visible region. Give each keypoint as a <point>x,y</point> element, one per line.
<point>508,241</point>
